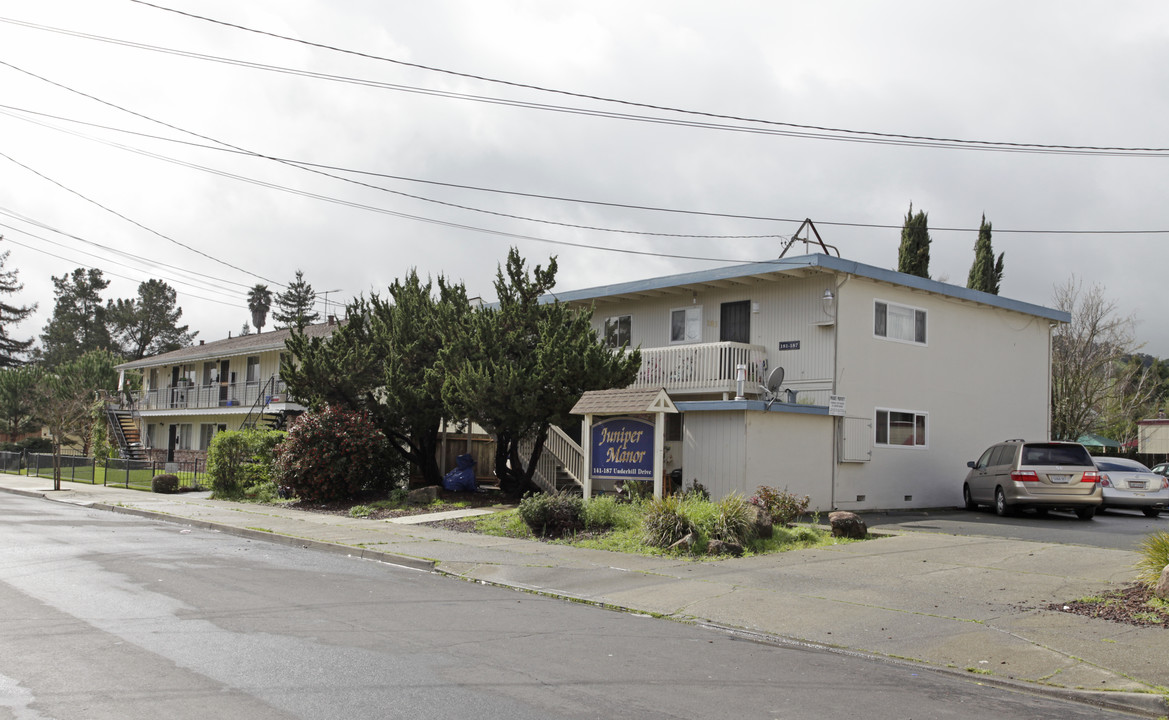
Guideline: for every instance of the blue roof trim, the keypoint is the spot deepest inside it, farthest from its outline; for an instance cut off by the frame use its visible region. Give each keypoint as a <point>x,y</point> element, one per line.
<point>827,262</point>
<point>756,405</point>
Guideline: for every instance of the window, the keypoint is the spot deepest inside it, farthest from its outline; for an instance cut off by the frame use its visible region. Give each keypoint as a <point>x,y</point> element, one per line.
<point>253,374</point>
<point>686,325</point>
<point>618,332</point>
<point>898,322</point>
<point>206,432</point>
<point>901,428</point>
<point>184,437</point>
<point>210,373</point>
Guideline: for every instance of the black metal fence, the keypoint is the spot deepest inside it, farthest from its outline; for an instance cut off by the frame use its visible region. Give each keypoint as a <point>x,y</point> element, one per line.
<point>135,474</point>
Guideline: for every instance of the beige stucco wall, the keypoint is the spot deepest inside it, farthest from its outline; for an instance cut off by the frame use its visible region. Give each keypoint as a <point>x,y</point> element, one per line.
<point>982,377</point>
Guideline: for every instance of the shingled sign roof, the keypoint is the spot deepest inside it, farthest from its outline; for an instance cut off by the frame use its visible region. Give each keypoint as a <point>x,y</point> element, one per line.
<point>623,401</point>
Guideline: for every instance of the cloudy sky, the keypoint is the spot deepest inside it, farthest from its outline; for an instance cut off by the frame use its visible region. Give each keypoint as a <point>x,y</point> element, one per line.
<point>356,139</point>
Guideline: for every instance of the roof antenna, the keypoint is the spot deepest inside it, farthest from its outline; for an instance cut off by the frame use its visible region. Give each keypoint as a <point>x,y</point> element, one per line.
<point>806,239</point>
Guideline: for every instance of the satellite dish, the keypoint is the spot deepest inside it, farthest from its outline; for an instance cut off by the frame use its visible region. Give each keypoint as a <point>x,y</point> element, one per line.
<point>774,380</point>
<point>771,389</point>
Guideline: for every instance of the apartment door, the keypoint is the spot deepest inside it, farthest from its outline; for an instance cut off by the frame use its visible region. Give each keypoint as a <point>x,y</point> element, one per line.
<point>223,365</point>
<point>172,441</point>
<point>734,325</point>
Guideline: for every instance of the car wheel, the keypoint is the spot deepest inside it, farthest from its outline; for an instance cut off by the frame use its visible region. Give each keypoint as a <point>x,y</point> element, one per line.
<point>970,504</point>
<point>1151,512</point>
<point>1001,508</point>
<point>1086,513</point>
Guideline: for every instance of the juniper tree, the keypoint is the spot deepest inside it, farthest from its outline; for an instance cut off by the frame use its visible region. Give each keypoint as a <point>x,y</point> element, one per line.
<point>10,348</point>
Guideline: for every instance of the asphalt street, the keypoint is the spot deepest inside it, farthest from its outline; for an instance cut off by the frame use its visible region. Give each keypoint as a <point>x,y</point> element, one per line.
<point>115,616</point>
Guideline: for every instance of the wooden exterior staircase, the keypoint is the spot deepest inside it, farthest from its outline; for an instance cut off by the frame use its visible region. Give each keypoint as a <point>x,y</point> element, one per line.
<point>124,428</point>
<point>561,464</point>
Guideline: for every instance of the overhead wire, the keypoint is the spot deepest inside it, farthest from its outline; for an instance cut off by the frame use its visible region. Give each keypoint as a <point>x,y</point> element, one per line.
<point>17,113</point>
<point>855,134</point>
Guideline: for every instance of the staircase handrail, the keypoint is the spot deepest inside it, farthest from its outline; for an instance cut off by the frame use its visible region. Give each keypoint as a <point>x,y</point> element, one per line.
<point>259,405</point>
<point>560,452</point>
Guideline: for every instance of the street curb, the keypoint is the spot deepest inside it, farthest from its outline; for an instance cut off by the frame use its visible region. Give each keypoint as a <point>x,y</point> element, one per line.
<point>347,550</point>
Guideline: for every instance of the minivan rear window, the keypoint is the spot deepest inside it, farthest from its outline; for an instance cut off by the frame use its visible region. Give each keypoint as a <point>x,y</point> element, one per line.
<point>1056,454</point>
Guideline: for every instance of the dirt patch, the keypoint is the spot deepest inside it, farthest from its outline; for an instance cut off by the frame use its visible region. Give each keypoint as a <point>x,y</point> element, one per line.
<point>450,501</point>
<point>1130,605</point>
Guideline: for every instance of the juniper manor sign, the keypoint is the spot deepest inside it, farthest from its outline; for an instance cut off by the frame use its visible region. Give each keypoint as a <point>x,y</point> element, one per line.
<point>623,447</point>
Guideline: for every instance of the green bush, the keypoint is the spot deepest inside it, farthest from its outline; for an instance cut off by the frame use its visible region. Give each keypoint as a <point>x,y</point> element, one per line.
<point>552,514</point>
<point>602,513</point>
<point>165,483</point>
<point>238,460</point>
<point>1154,552</point>
<point>665,521</point>
<point>332,454</point>
<point>781,505</point>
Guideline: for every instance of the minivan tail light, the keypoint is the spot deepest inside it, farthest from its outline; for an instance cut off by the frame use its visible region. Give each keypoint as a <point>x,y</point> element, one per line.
<point>1091,476</point>
<point>1024,475</point>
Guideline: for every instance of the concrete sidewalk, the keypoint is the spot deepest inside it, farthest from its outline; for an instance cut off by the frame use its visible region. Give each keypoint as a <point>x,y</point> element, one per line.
<point>969,605</point>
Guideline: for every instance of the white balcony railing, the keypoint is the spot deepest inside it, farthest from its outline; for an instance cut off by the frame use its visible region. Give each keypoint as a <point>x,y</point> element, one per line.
<point>215,395</point>
<point>702,368</point>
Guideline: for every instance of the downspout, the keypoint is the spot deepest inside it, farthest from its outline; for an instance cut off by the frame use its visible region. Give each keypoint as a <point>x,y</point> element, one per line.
<point>836,422</point>
<point>1050,379</point>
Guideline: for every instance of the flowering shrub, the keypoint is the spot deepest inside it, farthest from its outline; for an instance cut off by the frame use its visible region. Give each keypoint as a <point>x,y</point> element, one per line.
<point>330,454</point>
<point>782,506</point>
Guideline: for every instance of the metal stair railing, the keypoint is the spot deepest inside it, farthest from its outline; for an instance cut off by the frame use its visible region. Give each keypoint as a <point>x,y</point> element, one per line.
<point>259,405</point>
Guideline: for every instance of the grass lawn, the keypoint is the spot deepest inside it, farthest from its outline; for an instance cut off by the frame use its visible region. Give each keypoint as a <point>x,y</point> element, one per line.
<point>619,527</point>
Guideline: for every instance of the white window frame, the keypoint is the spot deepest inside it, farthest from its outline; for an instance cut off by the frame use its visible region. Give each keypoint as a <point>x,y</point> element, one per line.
<point>920,419</point>
<point>691,325</point>
<point>615,342</point>
<point>206,434</point>
<point>924,325</point>
<point>248,373</point>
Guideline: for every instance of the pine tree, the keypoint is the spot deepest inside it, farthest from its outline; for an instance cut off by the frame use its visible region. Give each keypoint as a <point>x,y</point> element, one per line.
<point>985,272</point>
<point>295,306</point>
<point>913,257</point>
<point>148,325</point>
<point>10,348</point>
<point>79,323</point>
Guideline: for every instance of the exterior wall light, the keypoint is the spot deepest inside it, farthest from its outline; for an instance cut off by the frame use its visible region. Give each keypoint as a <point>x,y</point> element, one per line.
<point>828,300</point>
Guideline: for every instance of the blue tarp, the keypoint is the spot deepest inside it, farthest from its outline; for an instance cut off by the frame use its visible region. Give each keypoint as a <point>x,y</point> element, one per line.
<point>462,478</point>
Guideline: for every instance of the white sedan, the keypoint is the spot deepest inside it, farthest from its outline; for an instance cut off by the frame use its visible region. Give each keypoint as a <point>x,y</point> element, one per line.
<point>1129,484</point>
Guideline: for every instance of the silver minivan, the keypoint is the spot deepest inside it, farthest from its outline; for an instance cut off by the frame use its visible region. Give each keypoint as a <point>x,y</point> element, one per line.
<point>1044,476</point>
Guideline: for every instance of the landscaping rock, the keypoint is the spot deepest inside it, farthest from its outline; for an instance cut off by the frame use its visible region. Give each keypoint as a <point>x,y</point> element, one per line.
<point>165,483</point>
<point>762,522</point>
<point>423,495</point>
<point>718,547</point>
<point>1161,589</point>
<point>848,525</point>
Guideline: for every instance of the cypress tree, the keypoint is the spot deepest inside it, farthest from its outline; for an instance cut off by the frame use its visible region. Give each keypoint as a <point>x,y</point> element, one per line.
<point>985,272</point>
<point>913,257</point>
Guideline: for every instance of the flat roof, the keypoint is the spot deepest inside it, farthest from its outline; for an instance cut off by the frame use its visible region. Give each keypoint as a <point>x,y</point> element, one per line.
<point>801,265</point>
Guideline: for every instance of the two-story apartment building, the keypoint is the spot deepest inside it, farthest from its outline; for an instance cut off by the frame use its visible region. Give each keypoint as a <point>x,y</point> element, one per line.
<point>891,382</point>
<point>186,396</point>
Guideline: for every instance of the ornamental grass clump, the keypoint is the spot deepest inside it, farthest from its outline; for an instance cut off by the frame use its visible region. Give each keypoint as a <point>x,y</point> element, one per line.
<point>1154,551</point>
<point>732,521</point>
<point>552,514</point>
<point>665,521</point>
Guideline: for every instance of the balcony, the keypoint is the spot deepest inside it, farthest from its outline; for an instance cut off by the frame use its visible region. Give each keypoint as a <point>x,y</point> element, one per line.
<point>702,369</point>
<point>204,397</point>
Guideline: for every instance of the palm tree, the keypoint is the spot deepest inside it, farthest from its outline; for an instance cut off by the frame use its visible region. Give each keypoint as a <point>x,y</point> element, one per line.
<point>259,301</point>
